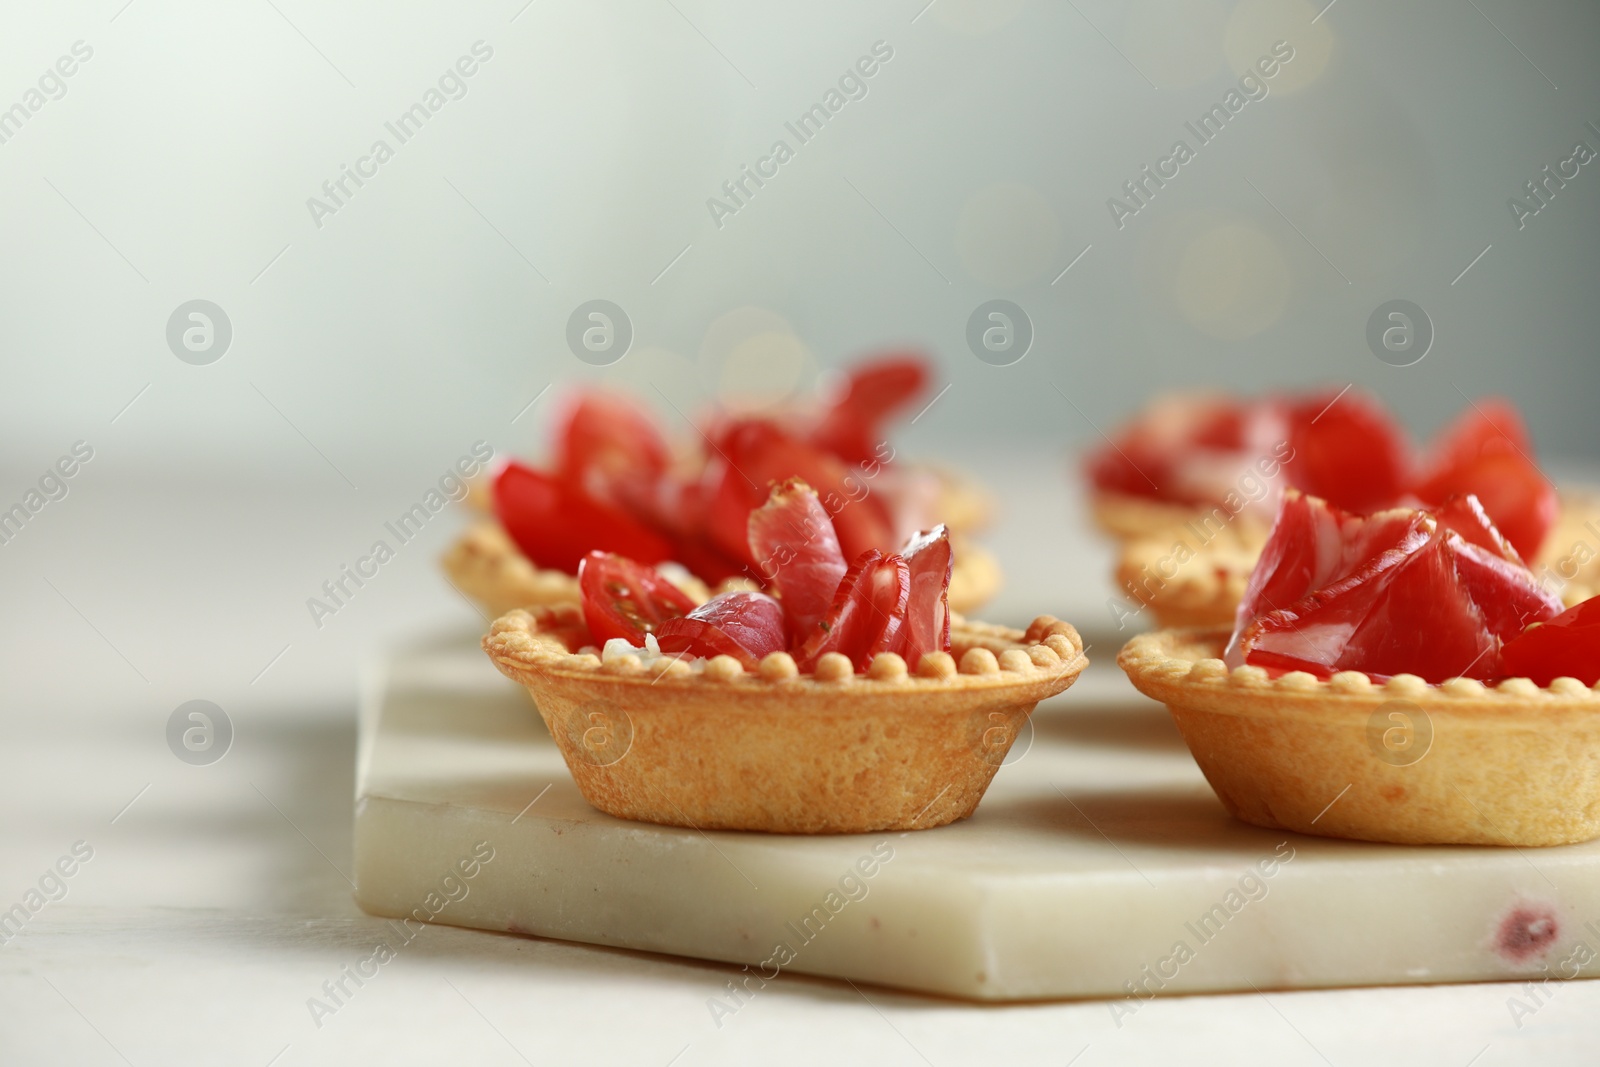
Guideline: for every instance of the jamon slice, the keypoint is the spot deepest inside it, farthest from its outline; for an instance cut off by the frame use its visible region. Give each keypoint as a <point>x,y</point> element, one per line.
<point>1466,516</point>
<point>797,552</point>
<point>1189,448</point>
<point>742,624</point>
<point>755,454</point>
<point>1487,452</point>
<point>927,627</point>
<point>897,603</point>
<point>867,613</point>
<point>853,427</point>
<point>1313,546</point>
<point>1403,591</point>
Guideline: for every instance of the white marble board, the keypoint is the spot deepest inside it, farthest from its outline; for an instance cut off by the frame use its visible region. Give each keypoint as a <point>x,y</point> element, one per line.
<point>1098,865</point>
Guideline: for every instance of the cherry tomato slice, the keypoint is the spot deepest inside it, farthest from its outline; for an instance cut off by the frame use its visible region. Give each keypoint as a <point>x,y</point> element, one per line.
<point>1517,497</point>
<point>625,599</point>
<point>741,624</point>
<point>1489,424</point>
<point>1347,451</point>
<point>608,447</point>
<point>604,439</point>
<point>1566,646</point>
<point>555,524</point>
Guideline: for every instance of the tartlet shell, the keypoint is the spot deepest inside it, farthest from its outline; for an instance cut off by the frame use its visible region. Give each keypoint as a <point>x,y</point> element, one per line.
<point>1511,765</point>
<point>486,565</point>
<point>963,506</point>
<point>1206,589</point>
<point>1127,517</point>
<point>775,751</point>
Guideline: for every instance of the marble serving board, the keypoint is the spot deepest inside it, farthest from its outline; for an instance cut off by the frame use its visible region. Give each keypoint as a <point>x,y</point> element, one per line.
<point>1098,865</point>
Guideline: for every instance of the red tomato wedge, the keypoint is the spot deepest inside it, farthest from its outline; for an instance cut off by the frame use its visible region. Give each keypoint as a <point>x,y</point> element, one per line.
<point>852,428</point>
<point>744,625</point>
<point>1487,452</point>
<point>1347,451</point>
<point>1567,646</point>
<point>555,523</point>
<point>867,613</point>
<point>927,627</point>
<point>606,439</point>
<point>1435,594</point>
<point>797,552</point>
<point>624,599</point>
<point>1490,424</point>
<point>1520,500</point>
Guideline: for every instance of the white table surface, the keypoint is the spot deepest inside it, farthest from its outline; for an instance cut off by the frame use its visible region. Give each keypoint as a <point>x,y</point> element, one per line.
<point>217,903</point>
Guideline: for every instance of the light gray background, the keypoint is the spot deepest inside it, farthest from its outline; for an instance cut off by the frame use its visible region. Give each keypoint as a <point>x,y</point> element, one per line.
<point>978,166</point>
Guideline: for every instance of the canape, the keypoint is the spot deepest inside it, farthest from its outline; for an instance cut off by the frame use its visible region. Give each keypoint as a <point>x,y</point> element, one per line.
<point>613,484</point>
<point>851,699</point>
<point>712,745</point>
<point>1398,677</point>
<point>1188,547</point>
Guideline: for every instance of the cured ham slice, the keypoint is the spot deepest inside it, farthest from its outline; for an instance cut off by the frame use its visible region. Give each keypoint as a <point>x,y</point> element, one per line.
<point>797,552</point>
<point>745,625</point>
<point>927,626</point>
<point>852,428</point>
<point>879,603</point>
<point>867,613</point>
<point>1430,593</point>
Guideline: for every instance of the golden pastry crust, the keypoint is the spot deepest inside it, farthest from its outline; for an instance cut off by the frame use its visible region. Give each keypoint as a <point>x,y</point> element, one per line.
<point>1401,761</point>
<point>1128,517</point>
<point>480,496</point>
<point>975,575</point>
<point>963,506</point>
<point>1190,577</point>
<point>486,565</point>
<point>1570,556</point>
<point>773,750</point>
